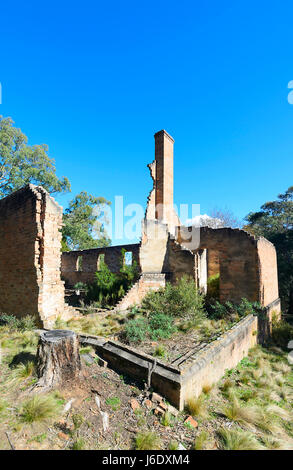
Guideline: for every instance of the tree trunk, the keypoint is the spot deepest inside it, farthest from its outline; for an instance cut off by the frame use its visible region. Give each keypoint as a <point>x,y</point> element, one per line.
<point>58,359</point>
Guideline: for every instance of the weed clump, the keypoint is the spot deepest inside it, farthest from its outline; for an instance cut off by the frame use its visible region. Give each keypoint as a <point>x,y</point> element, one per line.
<point>232,439</point>
<point>197,407</point>
<point>181,300</point>
<point>147,441</point>
<point>39,408</point>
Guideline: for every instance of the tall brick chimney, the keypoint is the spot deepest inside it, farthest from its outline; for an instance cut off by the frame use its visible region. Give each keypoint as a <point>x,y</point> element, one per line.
<point>164,177</point>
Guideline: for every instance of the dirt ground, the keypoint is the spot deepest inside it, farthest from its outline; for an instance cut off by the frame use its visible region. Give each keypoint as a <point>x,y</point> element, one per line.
<point>116,394</point>
<point>260,386</point>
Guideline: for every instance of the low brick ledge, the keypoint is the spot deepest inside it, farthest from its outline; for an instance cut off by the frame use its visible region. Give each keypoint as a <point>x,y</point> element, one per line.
<point>167,379</point>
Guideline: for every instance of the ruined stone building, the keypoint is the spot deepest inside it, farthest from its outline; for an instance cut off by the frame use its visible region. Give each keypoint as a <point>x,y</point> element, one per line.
<point>31,264</point>
<point>247,265</point>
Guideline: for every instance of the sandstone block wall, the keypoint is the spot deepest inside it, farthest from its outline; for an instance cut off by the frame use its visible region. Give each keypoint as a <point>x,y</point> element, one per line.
<point>90,262</point>
<point>30,239</point>
<point>177,383</point>
<point>146,283</point>
<point>268,272</point>
<point>247,265</point>
<point>210,364</point>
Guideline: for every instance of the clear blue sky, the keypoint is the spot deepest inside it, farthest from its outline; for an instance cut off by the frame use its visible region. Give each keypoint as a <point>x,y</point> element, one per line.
<point>95,80</point>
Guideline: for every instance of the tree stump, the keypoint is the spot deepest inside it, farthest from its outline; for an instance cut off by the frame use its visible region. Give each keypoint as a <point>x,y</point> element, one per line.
<point>58,359</point>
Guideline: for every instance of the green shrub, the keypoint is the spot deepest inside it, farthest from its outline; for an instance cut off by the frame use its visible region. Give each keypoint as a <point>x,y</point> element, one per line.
<point>179,300</point>
<point>79,444</point>
<point>159,351</point>
<point>9,320</point>
<point>161,326</point>
<point>156,326</point>
<point>39,408</point>
<point>233,311</point>
<point>147,441</point>
<point>232,439</point>
<point>108,288</point>
<point>27,323</point>
<point>136,330</point>
<point>213,287</point>
<point>282,333</point>
<point>13,323</point>
<point>80,286</point>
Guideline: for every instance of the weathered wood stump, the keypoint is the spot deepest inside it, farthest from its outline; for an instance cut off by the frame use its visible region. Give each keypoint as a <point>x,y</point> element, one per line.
<point>58,359</point>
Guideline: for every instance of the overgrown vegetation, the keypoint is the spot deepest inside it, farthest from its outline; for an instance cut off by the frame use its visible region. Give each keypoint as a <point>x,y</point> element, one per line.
<point>232,311</point>
<point>108,288</point>
<point>213,287</point>
<point>39,408</point>
<point>160,309</point>
<point>181,300</point>
<point>181,308</point>
<point>155,326</point>
<point>282,334</point>
<point>147,441</point>
<point>250,408</point>
<point>13,323</point>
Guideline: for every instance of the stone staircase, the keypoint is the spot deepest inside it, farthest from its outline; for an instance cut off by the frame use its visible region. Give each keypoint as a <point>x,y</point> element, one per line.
<point>146,282</point>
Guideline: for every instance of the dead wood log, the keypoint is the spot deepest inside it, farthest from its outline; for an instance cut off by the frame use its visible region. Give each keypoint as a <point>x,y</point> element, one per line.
<point>58,359</point>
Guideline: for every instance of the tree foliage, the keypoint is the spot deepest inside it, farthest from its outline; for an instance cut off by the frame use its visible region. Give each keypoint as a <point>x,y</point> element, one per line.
<point>224,218</point>
<point>275,222</point>
<point>84,223</point>
<point>21,163</point>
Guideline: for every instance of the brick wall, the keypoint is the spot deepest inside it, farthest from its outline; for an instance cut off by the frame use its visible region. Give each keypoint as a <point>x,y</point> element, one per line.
<point>247,265</point>
<point>89,263</point>
<point>30,283</point>
<point>146,283</point>
<point>268,273</point>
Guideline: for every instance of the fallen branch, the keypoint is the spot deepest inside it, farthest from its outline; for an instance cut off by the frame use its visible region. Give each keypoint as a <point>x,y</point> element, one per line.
<point>10,443</point>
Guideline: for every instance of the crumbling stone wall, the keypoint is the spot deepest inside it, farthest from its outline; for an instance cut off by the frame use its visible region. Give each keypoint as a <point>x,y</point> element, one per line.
<point>30,239</point>
<point>186,377</point>
<point>247,265</point>
<point>268,273</point>
<point>90,262</point>
<point>135,295</point>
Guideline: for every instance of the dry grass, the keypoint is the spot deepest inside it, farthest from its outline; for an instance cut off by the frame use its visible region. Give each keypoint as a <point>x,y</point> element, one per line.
<point>200,441</point>
<point>254,416</point>
<point>207,388</point>
<point>23,371</point>
<point>238,413</point>
<point>197,407</point>
<point>39,408</point>
<point>147,441</point>
<point>230,439</point>
<point>227,384</point>
<point>273,443</point>
<point>282,367</point>
<point>173,445</point>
